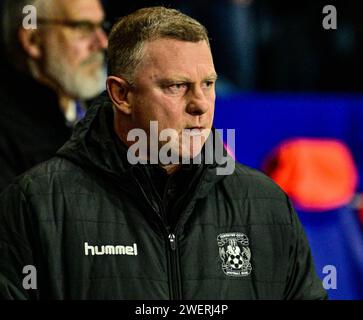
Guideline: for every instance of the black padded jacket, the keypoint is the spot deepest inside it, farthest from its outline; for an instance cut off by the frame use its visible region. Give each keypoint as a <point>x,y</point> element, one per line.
<point>91,225</point>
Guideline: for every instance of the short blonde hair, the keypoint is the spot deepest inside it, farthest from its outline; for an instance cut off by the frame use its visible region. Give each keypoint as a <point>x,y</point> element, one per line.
<point>128,35</point>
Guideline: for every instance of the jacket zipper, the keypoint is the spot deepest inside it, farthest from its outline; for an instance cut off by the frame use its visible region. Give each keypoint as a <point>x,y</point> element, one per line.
<point>173,257</point>
<point>175,287</point>
<point>172,252</point>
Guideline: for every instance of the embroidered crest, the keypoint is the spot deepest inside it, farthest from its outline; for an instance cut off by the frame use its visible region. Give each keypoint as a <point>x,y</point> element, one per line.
<point>235,254</point>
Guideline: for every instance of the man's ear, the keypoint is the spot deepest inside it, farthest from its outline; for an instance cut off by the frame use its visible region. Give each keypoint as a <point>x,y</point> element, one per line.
<point>31,42</point>
<point>118,90</point>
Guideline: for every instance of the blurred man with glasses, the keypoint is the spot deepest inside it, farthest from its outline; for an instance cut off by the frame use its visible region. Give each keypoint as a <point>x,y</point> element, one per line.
<point>49,74</point>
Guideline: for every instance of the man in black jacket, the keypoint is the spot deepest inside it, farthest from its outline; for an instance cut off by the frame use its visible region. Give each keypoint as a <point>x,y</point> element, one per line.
<point>54,63</point>
<point>103,221</point>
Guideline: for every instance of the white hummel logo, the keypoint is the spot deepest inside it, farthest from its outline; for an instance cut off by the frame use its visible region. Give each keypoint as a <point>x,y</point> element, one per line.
<point>110,250</point>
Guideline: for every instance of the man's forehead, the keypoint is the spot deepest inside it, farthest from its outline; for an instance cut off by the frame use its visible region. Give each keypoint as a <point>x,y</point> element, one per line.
<point>165,45</point>
<point>79,10</point>
<point>174,56</point>
<point>200,71</point>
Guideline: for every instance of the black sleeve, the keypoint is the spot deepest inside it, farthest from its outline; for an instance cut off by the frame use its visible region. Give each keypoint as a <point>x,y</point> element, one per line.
<point>302,282</point>
<point>15,252</point>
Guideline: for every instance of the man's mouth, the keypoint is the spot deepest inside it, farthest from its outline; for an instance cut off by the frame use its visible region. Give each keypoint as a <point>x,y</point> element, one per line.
<point>96,59</point>
<point>193,131</point>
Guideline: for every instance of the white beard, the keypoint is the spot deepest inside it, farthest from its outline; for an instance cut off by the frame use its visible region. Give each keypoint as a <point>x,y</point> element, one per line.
<point>77,83</point>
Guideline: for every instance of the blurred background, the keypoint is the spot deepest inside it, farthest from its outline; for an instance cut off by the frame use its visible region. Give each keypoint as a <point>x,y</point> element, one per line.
<point>261,45</point>
<point>293,92</point>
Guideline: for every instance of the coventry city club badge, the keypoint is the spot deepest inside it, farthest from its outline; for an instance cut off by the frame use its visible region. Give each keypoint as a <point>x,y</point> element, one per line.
<point>235,254</point>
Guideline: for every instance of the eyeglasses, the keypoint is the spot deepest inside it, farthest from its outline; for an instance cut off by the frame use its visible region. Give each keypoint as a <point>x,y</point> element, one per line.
<point>85,27</point>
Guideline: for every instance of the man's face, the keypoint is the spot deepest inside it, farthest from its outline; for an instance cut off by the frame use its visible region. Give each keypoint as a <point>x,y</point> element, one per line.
<point>175,85</point>
<point>74,59</point>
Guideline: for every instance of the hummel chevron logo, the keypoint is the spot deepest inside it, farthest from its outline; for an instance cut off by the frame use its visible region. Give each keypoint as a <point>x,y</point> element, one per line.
<point>110,250</point>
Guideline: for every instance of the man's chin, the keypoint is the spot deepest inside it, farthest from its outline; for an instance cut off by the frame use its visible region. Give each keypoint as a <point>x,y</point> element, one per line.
<point>92,69</point>
<point>191,155</point>
<point>88,86</point>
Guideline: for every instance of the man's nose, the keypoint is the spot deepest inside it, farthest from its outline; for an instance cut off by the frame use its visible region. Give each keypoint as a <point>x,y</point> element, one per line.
<point>100,39</point>
<point>198,103</point>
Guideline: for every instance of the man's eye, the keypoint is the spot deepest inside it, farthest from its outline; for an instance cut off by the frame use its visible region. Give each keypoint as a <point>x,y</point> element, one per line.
<point>209,84</point>
<point>86,27</point>
<point>177,87</point>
